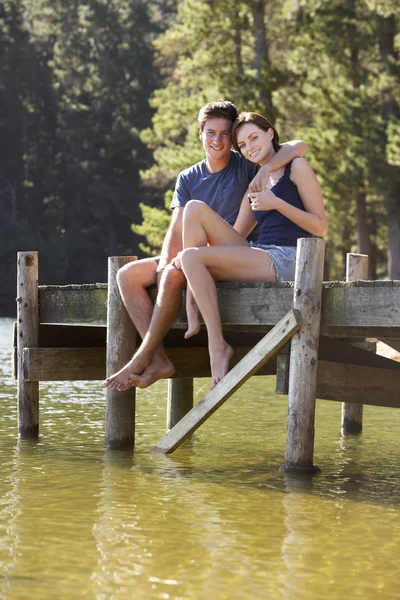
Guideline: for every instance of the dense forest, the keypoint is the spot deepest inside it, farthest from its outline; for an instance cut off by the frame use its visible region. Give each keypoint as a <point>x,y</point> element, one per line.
<point>98,105</point>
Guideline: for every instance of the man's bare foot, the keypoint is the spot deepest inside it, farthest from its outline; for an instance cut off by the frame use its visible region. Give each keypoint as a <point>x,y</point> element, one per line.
<point>193,318</point>
<point>153,373</point>
<point>120,381</point>
<point>220,360</point>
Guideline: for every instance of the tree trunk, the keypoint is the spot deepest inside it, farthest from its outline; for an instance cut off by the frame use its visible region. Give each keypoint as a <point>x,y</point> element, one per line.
<point>391,110</point>
<point>363,230</point>
<point>363,225</point>
<point>393,216</point>
<point>261,51</point>
<point>238,43</point>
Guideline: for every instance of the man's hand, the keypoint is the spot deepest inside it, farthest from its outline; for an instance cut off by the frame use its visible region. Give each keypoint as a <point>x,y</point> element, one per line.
<point>176,262</point>
<point>287,152</point>
<point>260,181</point>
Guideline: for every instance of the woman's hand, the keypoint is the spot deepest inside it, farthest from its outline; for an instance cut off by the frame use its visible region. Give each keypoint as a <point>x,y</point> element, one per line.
<point>176,262</point>
<point>265,200</point>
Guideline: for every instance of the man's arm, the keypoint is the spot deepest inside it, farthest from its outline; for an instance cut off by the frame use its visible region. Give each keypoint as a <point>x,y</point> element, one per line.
<point>286,153</point>
<point>173,240</point>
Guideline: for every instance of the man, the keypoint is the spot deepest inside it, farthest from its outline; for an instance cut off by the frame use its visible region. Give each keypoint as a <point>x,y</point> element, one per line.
<point>221,181</point>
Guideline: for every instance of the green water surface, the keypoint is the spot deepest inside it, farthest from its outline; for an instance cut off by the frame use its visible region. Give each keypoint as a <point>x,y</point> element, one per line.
<point>214,520</point>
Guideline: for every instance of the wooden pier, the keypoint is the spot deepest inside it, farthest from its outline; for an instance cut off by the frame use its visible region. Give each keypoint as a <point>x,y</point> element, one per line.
<point>82,332</point>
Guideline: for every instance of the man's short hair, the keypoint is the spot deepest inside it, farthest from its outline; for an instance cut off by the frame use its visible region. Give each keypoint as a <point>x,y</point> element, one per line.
<point>222,109</point>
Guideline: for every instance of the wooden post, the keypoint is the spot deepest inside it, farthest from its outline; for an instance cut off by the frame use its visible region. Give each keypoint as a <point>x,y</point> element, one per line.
<point>356,268</point>
<point>282,369</point>
<point>121,344</point>
<point>28,337</point>
<point>304,357</point>
<point>180,399</point>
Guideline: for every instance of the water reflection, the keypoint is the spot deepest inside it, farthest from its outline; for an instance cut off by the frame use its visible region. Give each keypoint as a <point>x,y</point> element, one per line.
<point>9,511</point>
<point>214,520</point>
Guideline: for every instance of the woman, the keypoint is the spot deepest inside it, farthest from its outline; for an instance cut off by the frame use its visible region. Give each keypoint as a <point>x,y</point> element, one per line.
<point>291,207</point>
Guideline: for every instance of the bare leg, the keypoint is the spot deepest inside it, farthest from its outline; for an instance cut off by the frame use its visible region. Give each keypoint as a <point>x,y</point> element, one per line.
<point>196,237</point>
<point>132,284</point>
<point>201,265</point>
<point>193,317</point>
<point>142,370</point>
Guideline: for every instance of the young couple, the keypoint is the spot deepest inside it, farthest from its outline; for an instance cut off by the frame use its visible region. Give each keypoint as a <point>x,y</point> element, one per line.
<point>217,203</point>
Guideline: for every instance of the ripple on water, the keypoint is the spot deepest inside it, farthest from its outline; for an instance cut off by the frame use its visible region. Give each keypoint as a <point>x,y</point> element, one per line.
<point>214,520</point>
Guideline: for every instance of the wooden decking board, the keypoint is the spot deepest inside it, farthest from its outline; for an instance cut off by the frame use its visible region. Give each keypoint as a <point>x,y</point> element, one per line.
<point>358,309</point>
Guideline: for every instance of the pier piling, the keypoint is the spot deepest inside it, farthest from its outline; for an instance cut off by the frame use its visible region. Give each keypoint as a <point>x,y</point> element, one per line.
<point>304,356</point>
<point>121,344</point>
<point>180,399</point>
<point>27,337</point>
<point>352,414</point>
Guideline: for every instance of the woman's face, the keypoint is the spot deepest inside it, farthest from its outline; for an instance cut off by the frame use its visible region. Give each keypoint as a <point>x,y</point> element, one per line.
<point>254,143</point>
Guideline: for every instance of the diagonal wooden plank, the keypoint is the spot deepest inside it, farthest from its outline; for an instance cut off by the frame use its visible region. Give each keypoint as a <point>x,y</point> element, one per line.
<point>258,356</point>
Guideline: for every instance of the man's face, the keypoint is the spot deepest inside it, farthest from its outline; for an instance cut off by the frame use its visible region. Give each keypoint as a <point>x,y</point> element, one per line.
<point>216,138</point>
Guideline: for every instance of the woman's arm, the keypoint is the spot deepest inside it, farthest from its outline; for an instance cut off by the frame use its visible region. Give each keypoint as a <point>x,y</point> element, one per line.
<point>313,218</point>
<point>286,153</point>
<point>245,221</point>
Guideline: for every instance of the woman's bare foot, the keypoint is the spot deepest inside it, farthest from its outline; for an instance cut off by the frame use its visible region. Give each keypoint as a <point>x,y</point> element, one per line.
<point>120,381</point>
<point>220,360</point>
<point>153,373</point>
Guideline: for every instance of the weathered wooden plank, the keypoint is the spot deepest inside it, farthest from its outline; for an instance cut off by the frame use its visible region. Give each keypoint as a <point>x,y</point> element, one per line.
<point>335,381</point>
<point>349,309</point>
<point>64,364</point>
<point>93,336</point>
<point>69,336</point>
<point>335,350</point>
<point>361,306</point>
<point>362,385</point>
<point>85,304</point>
<point>395,344</point>
<point>230,383</point>
<point>74,364</point>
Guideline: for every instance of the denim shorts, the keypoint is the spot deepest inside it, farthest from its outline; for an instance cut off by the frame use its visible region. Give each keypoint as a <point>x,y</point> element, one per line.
<point>283,259</point>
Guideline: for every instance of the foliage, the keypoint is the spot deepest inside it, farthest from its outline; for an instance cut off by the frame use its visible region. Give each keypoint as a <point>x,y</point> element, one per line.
<point>98,107</point>
<point>76,77</point>
<point>331,71</point>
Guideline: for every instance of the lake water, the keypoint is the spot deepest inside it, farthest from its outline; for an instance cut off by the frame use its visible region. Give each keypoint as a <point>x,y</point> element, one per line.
<point>215,520</point>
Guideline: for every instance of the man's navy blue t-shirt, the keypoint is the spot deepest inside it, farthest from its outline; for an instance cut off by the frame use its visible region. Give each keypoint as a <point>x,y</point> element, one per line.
<point>222,191</point>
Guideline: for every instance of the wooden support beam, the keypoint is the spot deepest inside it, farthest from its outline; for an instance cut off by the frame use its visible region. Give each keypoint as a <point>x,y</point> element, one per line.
<point>64,364</point>
<point>352,414</point>
<point>86,364</point>
<point>304,356</point>
<point>395,344</point>
<point>358,384</point>
<point>336,381</point>
<point>27,336</point>
<point>259,355</point>
<point>121,344</point>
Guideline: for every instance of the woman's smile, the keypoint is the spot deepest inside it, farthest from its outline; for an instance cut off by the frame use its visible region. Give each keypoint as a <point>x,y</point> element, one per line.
<point>254,143</point>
